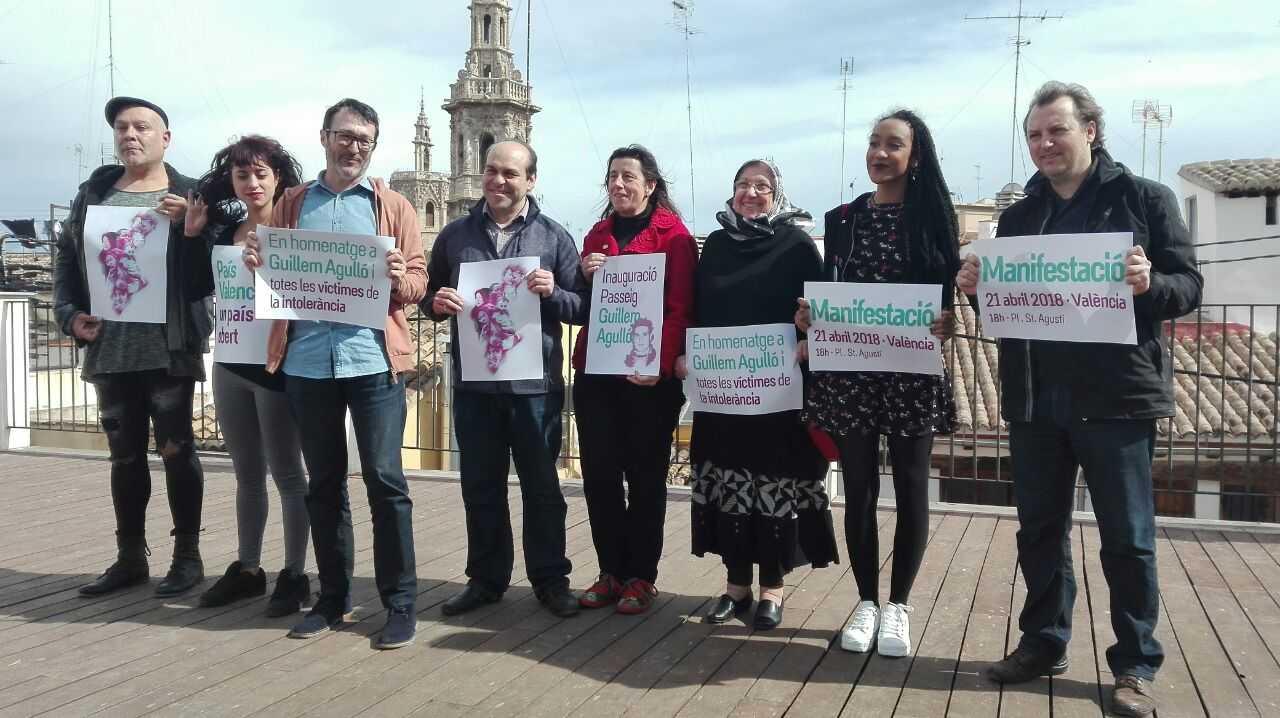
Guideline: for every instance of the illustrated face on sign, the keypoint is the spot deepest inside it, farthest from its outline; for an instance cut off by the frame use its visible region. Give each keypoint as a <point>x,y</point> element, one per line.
<point>255,184</point>
<point>642,339</point>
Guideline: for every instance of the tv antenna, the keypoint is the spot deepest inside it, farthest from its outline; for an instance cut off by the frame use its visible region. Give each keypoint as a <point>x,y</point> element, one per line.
<point>1151,114</point>
<point>1018,41</point>
<point>846,69</point>
<point>683,8</point>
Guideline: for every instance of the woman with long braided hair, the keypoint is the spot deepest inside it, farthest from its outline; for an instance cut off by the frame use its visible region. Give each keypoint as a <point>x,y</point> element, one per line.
<point>903,232</point>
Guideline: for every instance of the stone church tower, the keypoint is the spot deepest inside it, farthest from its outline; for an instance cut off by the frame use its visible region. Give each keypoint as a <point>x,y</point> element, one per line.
<point>489,103</point>
<point>427,190</point>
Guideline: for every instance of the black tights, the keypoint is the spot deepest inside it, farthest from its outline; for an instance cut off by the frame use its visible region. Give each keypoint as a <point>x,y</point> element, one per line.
<point>740,574</point>
<point>859,460</point>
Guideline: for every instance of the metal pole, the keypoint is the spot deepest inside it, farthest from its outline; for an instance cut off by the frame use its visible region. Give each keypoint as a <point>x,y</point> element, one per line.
<point>844,121</point>
<point>111,55</point>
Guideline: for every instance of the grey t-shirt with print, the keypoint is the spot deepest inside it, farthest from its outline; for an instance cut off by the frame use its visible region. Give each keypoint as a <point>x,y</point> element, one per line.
<point>131,346</point>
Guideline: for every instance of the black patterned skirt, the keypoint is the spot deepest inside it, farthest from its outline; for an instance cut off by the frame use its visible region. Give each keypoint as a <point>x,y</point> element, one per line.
<point>887,403</point>
<point>758,493</point>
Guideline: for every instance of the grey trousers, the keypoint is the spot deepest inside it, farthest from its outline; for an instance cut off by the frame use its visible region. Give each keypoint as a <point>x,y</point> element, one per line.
<point>260,434</point>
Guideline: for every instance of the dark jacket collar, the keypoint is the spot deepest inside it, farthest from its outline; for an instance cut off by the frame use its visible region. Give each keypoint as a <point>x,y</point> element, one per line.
<point>478,213</point>
<point>103,178</point>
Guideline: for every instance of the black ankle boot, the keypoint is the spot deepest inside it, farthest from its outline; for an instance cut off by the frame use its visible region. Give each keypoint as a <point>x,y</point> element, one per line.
<point>293,590</point>
<point>130,568</point>
<point>187,569</point>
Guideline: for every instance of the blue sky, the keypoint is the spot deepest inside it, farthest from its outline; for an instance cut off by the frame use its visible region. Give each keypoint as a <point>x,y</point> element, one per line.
<point>765,80</point>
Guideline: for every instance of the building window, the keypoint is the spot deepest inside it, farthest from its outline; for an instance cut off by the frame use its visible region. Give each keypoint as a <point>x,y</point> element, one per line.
<point>488,71</point>
<point>486,141</point>
<point>502,30</point>
<point>430,213</point>
<point>488,26</point>
<point>1191,219</point>
<point>1271,210</point>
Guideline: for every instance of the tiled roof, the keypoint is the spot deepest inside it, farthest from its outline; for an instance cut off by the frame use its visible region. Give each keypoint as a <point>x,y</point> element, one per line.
<point>1248,177</point>
<point>1236,397</point>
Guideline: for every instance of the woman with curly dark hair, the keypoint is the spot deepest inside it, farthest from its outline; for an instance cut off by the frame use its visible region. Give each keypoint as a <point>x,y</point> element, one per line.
<point>903,232</point>
<point>235,196</point>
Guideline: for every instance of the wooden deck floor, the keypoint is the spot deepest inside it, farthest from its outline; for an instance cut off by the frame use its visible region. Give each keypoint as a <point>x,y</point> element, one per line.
<point>131,654</point>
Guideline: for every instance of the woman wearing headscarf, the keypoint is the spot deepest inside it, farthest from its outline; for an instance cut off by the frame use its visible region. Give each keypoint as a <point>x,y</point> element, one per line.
<point>758,494</point>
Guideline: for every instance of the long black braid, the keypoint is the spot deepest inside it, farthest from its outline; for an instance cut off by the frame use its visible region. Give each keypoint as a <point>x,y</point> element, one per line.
<point>928,217</point>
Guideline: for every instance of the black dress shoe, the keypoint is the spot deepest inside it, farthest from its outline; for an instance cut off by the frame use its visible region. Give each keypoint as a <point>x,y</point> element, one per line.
<point>768,615</point>
<point>560,601</point>
<point>727,608</point>
<point>472,597</point>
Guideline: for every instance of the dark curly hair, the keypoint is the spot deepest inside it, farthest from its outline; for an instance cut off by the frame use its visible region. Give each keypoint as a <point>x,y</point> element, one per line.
<point>929,218</point>
<point>215,186</point>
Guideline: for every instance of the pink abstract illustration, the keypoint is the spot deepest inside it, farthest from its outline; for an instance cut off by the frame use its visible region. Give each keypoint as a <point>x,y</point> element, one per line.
<point>119,259</point>
<point>492,316</point>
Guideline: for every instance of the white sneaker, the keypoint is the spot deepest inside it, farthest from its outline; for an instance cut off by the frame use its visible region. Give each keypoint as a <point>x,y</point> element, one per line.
<point>861,631</point>
<point>895,631</point>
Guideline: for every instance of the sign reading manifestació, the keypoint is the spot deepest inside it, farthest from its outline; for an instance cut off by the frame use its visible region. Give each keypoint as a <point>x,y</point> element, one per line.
<point>873,327</point>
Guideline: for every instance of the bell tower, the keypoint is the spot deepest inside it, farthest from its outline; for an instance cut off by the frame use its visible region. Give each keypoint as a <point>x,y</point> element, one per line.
<point>490,102</point>
<point>422,139</point>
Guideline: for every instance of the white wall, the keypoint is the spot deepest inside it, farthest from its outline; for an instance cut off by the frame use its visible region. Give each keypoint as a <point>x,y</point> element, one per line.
<point>1224,218</point>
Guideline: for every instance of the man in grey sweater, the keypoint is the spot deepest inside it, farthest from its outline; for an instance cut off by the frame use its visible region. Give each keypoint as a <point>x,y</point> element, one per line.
<point>495,420</point>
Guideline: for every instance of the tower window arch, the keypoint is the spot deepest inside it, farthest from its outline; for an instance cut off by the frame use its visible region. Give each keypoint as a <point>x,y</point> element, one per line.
<point>488,71</point>
<point>502,31</point>
<point>488,26</point>
<point>430,212</point>
<point>486,141</point>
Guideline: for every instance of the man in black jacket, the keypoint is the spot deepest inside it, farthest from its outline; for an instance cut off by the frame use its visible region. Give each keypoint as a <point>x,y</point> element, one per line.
<point>143,371</point>
<point>1091,406</point>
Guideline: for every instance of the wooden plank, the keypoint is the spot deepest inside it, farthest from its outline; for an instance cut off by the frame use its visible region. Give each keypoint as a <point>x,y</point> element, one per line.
<point>990,623</point>
<point>880,685</point>
<point>927,690</point>
<point>1076,693</point>
<point>1255,666</point>
<point>1212,673</point>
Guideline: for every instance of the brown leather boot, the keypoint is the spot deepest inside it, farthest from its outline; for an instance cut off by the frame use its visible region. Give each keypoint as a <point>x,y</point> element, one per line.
<point>1132,697</point>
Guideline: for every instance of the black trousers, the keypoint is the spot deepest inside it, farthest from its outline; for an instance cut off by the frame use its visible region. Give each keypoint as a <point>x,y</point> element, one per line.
<point>859,460</point>
<point>625,435</point>
<point>127,401</point>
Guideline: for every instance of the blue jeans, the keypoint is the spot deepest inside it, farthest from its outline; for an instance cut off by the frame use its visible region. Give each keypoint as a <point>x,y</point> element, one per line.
<point>1116,456</point>
<point>377,405</point>
<point>527,428</point>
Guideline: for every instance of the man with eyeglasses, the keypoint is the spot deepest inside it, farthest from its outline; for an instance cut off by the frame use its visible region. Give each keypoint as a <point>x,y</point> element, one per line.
<point>334,368</point>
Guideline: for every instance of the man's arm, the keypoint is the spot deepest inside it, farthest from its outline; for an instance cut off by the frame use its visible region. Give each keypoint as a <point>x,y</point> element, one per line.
<point>69,290</point>
<point>1176,284</point>
<point>570,292</point>
<point>413,286</point>
<point>438,274</point>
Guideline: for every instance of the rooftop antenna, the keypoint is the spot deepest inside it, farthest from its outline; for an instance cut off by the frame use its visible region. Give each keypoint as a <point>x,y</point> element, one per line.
<point>683,8</point>
<point>78,149</point>
<point>1149,114</point>
<point>1018,42</point>
<point>111,55</point>
<point>977,188</point>
<point>846,69</point>
<point>528,51</point>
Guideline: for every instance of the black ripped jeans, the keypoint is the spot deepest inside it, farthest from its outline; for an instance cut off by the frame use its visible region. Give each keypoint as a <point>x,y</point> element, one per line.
<point>125,403</point>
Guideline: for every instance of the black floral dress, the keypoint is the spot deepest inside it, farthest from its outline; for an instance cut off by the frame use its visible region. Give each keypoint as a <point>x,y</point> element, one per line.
<point>880,402</point>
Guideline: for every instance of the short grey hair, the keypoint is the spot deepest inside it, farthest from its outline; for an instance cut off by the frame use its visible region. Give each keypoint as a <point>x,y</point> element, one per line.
<point>1087,109</point>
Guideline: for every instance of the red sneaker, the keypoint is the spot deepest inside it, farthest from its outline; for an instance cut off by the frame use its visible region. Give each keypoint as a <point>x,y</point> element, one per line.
<point>603,592</point>
<point>637,596</point>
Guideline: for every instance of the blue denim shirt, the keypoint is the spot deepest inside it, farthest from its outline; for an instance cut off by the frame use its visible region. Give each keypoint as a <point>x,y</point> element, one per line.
<point>329,350</point>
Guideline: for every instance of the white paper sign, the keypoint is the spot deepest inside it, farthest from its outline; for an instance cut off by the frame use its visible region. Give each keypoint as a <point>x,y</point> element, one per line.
<point>126,253</point>
<point>238,338</point>
<point>1060,287</point>
<point>743,370</point>
<point>323,276</point>
<point>500,327</point>
<point>873,327</point>
<point>625,332</point>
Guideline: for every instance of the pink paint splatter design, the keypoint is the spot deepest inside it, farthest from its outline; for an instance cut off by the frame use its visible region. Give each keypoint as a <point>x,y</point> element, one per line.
<point>492,317</point>
<point>119,261</point>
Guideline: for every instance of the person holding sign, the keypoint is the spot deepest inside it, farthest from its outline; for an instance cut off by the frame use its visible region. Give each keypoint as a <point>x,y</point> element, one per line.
<point>904,232</point>
<point>334,368</point>
<point>498,421</point>
<point>1091,406</point>
<point>236,195</point>
<point>626,422</point>
<point>758,494</point>
<point>143,372</point>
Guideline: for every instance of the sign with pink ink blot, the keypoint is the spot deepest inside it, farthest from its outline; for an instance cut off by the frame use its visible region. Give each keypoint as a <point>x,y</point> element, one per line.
<point>125,258</point>
<point>500,326</point>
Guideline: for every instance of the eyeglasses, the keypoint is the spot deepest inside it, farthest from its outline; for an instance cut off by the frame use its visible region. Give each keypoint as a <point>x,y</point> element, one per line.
<point>761,188</point>
<point>346,139</point>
